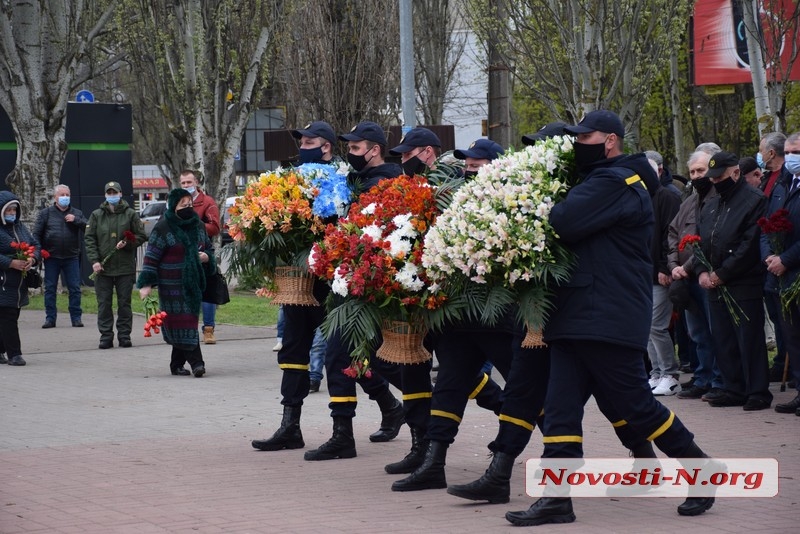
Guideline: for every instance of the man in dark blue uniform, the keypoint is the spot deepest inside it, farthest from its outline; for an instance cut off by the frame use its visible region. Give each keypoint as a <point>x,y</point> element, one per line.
<point>316,146</point>
<point>365,144</point>
<point>600,324</point>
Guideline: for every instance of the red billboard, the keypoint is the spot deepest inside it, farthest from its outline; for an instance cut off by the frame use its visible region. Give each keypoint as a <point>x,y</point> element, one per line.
<point>719,39</point>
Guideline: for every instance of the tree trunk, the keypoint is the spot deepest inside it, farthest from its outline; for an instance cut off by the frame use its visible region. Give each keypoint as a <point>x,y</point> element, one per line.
<point>764,116</point>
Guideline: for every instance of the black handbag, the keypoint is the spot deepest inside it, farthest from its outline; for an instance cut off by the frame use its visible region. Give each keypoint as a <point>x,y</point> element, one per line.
<point>33,279</point>
<point>216,291</point>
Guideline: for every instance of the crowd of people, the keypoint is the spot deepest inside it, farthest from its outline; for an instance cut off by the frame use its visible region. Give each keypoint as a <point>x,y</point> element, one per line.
<point>643,283</point>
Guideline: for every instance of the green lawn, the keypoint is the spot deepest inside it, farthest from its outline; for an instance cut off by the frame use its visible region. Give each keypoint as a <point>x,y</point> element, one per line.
<point>243,309</point>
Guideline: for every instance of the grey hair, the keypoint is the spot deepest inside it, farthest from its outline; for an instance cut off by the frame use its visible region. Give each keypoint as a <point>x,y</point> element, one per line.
<point>60,186</point>
<point>655,156</point>
<point>793,138</point>
<point>697,154</point>
<point>709,148</point>
<point>774,141</point>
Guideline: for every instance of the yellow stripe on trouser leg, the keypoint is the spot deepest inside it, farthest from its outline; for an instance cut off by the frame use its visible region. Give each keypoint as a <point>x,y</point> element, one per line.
<point>480,386</point>
<point>663,428</point>
<point>621,422</point>
<point>415,396</point>
<point>299,366</point>
<point>448,415</point>
<point>344,399</point>
<point>562,439</point>
<point>514,421</point>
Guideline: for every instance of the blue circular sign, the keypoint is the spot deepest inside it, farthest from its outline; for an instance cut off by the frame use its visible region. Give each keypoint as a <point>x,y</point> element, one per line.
<point>84,96</point>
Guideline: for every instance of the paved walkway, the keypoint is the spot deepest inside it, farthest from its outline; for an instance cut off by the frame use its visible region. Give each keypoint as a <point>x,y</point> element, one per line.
<point>107,441</point>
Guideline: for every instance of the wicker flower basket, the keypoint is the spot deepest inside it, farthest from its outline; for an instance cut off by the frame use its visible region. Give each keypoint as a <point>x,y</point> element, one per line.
<point>533,339</point>
<point>295,286</point>
<point>402,343</point>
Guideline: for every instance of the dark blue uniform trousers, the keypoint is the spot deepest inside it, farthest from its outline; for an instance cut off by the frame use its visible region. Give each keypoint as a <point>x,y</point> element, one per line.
<point>461,355</point>
<point>293,359</point>
<point>342,388</point>
<point>616,375</point>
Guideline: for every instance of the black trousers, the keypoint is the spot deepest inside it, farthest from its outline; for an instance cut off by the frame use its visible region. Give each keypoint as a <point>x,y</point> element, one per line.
<point>293,359</point>
<point>182,354</point>
<point>615,373</point>
<point>9,332</point>
<point>342,388</point>
<point>741,350</point>
<point>790,329</point>
<point>461,356</point>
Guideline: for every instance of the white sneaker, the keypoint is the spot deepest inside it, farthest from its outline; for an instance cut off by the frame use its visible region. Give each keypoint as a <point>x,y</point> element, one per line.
<point>667,386</point>
<point>653,383</point>
<point>278,346</point>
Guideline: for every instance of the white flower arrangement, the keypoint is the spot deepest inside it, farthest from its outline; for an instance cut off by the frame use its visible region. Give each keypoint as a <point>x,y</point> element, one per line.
<point>496,229</point>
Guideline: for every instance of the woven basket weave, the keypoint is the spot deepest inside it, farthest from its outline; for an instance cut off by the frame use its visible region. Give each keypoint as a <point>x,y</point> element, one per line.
<point>295,286</point>
<point>402,343</point>
<point>533,339</point>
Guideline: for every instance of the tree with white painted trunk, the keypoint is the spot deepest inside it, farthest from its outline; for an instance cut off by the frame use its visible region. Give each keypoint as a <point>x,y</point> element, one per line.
<point>45,55</point>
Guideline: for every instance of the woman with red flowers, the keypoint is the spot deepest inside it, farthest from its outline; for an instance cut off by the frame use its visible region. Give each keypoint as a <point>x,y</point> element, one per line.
<point>178,256</point>
<point>19,252</point>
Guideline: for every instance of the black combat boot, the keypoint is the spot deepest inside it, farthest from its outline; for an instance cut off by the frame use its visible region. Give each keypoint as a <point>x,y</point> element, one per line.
<point>429,475</point>
<point>288,436</point>
<point>695,505</point>
<point>341,445</point>
<point>495,484</point>
<point>414,458</point>
<point>545,510</point>
<point>391,418</point>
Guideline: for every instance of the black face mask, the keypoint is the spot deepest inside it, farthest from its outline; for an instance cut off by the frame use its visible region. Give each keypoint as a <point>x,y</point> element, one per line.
<point>587,155</point>
<point>468,175</point>
<point>725,186</point>
<point>310,155</point>
<point>359,163</point>
<point>185,213</point>
<point>702,185</point>
<point>413,166</point>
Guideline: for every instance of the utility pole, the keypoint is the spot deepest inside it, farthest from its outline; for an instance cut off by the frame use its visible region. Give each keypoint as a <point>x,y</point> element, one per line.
<point>407,100</point>
<point>499,87</point>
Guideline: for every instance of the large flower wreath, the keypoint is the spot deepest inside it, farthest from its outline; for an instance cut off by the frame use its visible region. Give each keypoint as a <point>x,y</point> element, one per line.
<point>494,242</point>
<point>373,260</point>
<point>282,213</point>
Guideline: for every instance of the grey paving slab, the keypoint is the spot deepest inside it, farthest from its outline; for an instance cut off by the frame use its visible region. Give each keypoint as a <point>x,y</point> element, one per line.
<point>108,441</point>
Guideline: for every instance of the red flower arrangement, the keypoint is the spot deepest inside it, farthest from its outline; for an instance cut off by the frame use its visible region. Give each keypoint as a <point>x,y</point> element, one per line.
<point>129,237</point>
<point>45,254</point>
<point>373,258</point>
<point>155,317</point>
<point>24,252</point>
<point>693,241</point>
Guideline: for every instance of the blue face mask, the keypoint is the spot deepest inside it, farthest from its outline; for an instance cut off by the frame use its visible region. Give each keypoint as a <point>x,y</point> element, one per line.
<point>760,161</point>
<point>792,163</point>
<point>112,200</point>
<point>191,189</point>
<point>311,155</point>
<point>63,201</point>
<point>10,218</point>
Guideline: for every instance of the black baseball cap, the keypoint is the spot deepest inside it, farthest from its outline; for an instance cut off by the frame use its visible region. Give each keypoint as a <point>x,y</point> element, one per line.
<point>366,131</point>
<point>600,120</point>
<point>719,162</point>
<point>316,129</point>
<point>550,129</point>
<point>480,149</point>
<point>417,137</point>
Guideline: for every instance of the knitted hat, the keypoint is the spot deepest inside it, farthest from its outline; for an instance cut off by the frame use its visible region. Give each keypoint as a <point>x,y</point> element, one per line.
<point>175,196</point>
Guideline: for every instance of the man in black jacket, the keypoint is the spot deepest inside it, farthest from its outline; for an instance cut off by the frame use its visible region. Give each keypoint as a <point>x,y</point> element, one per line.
<point>59,228</point>
<point>728,228</point>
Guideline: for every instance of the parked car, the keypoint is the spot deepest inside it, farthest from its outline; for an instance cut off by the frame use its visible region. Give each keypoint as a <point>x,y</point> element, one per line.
<point>151,214</point>
<point>225,219</point>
